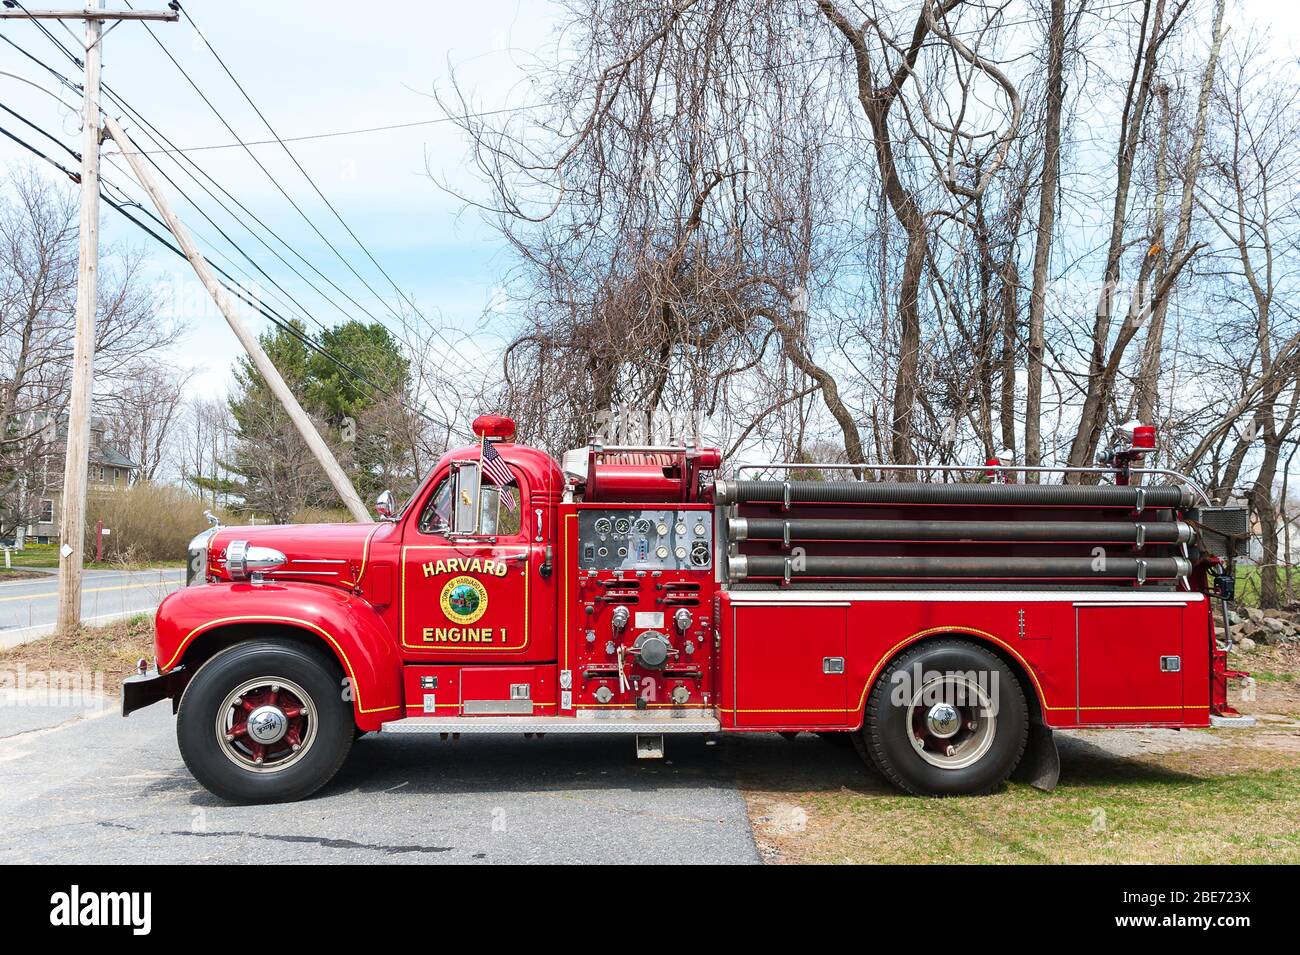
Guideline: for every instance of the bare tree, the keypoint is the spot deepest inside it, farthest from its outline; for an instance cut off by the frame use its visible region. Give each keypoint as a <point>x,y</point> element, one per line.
<point>143,413</point>
<point>205,447</point>
<point>1253,160</point>
<point>38,275</point>
<point>1043,231</point>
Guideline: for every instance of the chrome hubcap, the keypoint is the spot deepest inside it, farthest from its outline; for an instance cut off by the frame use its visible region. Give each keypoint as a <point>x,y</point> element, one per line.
<point>266,725</point>
<point>951,721</point>
<point>943,720</point>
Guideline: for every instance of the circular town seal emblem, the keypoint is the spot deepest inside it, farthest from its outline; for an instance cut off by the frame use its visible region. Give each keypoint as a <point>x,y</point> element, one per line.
<point>464,600</point>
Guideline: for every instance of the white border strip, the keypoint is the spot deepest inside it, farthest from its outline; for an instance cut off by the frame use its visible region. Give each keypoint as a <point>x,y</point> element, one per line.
<point>962,596</point>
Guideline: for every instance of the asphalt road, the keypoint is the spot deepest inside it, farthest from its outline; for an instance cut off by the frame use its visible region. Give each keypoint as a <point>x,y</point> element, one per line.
<point>28,607</point>
<point>86,786</point>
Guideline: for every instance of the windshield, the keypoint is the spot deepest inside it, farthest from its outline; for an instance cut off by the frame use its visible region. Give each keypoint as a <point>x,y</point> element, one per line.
<point>415,493</point>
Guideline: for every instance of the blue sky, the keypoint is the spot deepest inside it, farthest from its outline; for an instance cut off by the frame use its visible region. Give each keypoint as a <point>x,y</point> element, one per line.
<point>311,68</point>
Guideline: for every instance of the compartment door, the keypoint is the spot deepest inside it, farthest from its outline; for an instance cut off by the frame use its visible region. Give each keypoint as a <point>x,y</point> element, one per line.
<point>1130,663</point>
<point>788,663</point>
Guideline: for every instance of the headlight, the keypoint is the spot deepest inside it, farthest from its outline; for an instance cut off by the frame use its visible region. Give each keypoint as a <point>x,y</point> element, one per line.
<point>243,559</point>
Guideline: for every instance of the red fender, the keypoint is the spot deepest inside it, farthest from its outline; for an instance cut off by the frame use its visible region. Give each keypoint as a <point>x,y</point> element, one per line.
<point>343,622</point>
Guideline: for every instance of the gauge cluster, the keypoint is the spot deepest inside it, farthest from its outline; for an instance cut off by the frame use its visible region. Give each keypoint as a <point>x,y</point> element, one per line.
<point>626,539</point>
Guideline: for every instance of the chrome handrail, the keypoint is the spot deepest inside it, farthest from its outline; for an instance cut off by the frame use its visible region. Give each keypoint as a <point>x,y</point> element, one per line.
<point>837,466</point>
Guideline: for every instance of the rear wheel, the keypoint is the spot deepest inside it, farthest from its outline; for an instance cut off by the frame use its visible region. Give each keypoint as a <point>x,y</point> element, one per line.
<point>264,721</point>
<point>946,718</point>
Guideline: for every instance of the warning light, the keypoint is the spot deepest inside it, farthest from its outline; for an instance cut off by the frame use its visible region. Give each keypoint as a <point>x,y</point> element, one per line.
<point>1144,437</point>
<point>494,426</point>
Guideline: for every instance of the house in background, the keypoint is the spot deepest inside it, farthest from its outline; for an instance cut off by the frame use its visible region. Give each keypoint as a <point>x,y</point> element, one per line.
<point>110,470</point>
<point>1288,541</point>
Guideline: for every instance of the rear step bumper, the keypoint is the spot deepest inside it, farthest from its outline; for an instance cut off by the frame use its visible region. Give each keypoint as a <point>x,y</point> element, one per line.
<point>605,724</point>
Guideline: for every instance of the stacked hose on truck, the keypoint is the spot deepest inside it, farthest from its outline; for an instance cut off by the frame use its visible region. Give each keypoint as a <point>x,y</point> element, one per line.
<point>977,495</point>
<point>787,532</point>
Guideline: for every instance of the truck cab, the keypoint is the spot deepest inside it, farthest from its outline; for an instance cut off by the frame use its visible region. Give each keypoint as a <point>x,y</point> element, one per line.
<point>630,590</point>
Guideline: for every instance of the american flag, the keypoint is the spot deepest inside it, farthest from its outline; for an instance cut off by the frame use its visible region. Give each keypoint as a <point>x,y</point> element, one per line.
<point>496,471</point>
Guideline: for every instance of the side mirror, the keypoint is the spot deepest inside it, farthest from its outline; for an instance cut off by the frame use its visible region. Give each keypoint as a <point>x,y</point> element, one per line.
<point>384,507</point>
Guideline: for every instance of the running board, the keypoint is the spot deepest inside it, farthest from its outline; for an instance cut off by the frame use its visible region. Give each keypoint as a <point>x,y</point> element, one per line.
<point>1232,722</point>
<point>601,725</point>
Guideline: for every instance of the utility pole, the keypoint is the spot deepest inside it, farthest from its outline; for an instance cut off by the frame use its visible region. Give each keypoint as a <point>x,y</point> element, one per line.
<point>337,476</point>
<point>76,467</point>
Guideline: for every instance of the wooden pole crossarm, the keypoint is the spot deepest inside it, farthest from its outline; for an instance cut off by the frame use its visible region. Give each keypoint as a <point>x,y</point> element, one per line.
<point>171,16</point>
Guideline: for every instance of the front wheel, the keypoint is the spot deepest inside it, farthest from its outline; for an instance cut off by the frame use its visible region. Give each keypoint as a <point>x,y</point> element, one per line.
<point>946,718</point>
<point>264,721</point>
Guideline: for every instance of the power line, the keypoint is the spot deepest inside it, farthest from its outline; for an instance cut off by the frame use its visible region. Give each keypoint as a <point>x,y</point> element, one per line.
<point>152,131</point>
<point>435,419</point>
<point>155,135</point>
<point>146,127</point>
<point>330,205</point>
<point>288,152</point>
<point>364,130</point>
<point>230,284</point>
<point>297,208</point>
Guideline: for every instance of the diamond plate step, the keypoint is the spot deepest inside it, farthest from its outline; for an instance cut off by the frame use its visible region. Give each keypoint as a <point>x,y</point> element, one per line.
<point>604,724</point>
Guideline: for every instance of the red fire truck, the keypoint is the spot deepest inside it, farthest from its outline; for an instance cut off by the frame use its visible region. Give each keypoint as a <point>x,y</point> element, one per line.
<point>945,624</point>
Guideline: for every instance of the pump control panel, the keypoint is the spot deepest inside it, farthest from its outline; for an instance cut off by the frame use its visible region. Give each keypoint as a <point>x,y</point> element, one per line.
<point>627,539</point>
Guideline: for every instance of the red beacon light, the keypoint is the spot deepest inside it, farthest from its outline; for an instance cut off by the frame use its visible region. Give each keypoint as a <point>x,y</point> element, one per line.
<point>1144,437</point>
<point>494,427</point>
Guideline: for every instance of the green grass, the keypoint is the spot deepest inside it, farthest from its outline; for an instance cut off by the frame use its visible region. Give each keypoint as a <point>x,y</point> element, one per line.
<point>1248,582</point>
<point>47,555</point>
<point>1105,811</point>
<point>19,573</point>
<point>1267,676</point>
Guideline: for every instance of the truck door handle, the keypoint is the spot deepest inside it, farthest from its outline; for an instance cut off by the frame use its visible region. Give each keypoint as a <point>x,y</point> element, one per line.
<point>545,568</point>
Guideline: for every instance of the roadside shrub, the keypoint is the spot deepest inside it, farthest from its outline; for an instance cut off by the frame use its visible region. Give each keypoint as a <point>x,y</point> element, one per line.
<point>321,515</point>
<point>149,522</point>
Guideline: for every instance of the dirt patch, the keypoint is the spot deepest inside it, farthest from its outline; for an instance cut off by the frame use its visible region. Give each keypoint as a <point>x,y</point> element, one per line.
<point>1275,688</point>
<point>17,573</point>
<point>113,650</point>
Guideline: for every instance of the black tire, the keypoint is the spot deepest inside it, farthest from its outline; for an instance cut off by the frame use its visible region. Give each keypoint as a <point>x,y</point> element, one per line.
<point>217,764</point>
<point>994,748</point>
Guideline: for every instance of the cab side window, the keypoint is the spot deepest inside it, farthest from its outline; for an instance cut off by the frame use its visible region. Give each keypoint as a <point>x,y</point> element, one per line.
<point>496,519</point>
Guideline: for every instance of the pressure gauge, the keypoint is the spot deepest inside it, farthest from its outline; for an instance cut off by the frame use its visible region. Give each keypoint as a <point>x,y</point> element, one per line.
<point>662,553</point>
<point>662,528</point>
<point>699,530</point>
<point>603,526</point>
<point>622,526</point>
<point>642,526</point>
<point>681,528</point>
<point>681,553</point>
